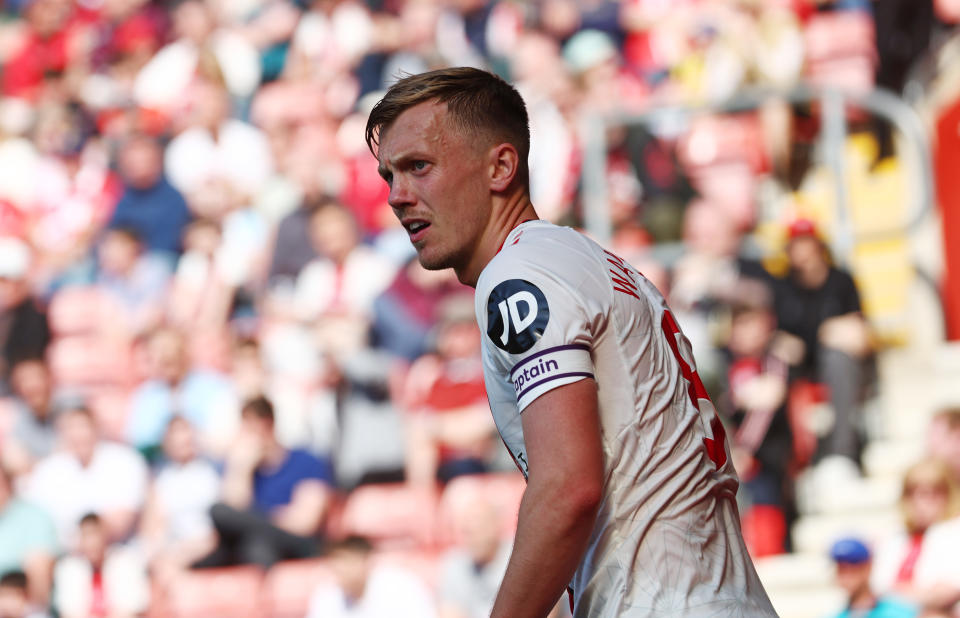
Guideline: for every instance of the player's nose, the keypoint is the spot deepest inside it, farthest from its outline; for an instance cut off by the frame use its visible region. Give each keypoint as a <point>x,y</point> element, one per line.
<point>400,194</point>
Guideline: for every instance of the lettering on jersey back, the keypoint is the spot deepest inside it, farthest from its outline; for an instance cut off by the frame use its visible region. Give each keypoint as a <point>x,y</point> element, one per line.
<point>622,276</point>
<point>517,314</point>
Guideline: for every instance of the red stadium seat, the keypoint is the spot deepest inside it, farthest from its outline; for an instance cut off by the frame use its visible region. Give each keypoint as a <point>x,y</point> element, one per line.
<point>110,407</point>
<point>503,490</point>
<point>393,515</point>
<point>234,592</point>
<point>289,585</point>
<point>87,362</point>
<point>76,310</point>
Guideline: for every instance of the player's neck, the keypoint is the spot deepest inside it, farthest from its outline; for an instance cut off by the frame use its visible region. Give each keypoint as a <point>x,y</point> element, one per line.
<point>507,213</point>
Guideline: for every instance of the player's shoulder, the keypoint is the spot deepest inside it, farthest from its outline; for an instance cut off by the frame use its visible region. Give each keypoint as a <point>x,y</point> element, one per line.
<point>541,251</point>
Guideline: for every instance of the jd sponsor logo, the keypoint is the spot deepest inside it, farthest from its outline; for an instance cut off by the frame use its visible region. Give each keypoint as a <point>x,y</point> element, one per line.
<point>517,314</point>
<point>532,373</point>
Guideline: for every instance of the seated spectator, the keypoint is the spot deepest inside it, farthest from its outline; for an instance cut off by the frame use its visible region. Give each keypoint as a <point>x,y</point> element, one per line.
<point>88,474</point>
<point>292,249</point>
<point>366,589</point>
<point>275,500</point>
<point>826,337</point>
<point>853,562</point>
<point>100,579</point>
<point>28,540</point>
<point>449,429</point>
<point>135,282</point>
<point>336,291</point>
<point>919,562</point>
<point>200,296</point>
<point>943,439</point>
<point>755,402</point>
<point>25,332</point>
<point>215,147</point>
<point>149,204</point>
<point>33,435</point>
<point>408,310</point>
<point>203,397</point>
<point>14,598</point>
<point>176,526</point>
<point>473,570</point>
<point>704,276</point>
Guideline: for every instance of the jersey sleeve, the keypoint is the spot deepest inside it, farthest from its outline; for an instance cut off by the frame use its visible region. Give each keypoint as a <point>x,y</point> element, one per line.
<point>538,327</point>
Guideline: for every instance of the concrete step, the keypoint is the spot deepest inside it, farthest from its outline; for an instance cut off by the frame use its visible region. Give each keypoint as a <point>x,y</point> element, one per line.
<point>814,603</point>
<point>816,533</point>
<point>890,458</point>
<point>795,571</point>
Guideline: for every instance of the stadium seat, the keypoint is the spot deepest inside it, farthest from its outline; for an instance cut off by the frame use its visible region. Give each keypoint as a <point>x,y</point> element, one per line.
<point>503,490</point>
<point>86,362</point>
<point>390,515</point>
<point>76,310</point>
<point>234,592</point>
<point>289,585</point>
<point>110,407</point>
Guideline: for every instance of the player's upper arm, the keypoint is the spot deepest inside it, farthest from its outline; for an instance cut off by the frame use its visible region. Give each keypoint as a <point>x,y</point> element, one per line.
<point>541,320</point>
<point>561,429</point>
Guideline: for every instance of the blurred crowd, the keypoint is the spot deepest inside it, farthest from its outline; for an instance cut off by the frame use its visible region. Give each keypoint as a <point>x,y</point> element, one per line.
<point>215,337</point>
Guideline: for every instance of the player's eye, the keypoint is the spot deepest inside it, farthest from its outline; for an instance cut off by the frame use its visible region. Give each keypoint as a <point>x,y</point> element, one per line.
<point>419,165</point>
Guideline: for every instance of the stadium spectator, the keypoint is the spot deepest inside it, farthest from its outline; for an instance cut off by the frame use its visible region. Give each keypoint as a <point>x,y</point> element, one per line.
<point>471,571</point>
<point>825,336</point>
<point>203,397</point>
<point>407,312</point>
<point>14,598</point>
<point>48,49</point>
<point>176,527</point>
<point>135,282</point>
<point>76,191</point>
<point>364,588</point>
<point>274,500</point>
<point>853,561</point>
<point>335,292</point>
<point>449,429</point>
<point>28,540</point>
<point>919,562</point>
<point>201,297</point>
<point>89,474</point>
<point>100,579</point>
<point>24,332</point>
<point>199,46</point>
<point>755,402</point>
<point>150,204</point>
<point>217,147</point>
<point>33,435</point>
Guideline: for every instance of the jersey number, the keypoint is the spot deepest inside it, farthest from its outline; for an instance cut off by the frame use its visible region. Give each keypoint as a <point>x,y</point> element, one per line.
<point>715,446</point>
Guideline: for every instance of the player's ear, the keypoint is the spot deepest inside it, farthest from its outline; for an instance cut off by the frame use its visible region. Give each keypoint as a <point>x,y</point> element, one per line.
<point>504,164</point>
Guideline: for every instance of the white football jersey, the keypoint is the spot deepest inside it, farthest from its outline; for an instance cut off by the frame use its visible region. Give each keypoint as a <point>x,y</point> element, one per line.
<point>557,308</point>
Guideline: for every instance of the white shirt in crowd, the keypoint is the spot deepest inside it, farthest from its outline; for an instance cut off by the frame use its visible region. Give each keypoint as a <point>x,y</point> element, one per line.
<point>389,592</point>
<point>185,494</point>
<point>115,479</point>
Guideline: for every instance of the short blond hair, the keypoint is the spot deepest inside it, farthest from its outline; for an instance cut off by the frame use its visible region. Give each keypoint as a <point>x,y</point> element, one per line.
<point>476,100</point>
<point>930,471</point>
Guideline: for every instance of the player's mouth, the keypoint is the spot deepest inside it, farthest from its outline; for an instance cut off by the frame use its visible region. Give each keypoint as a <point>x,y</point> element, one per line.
<point>416,229</point>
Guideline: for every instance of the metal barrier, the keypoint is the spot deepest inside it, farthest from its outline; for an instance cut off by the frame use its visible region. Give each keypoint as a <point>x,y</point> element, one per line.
<point>915,154</point>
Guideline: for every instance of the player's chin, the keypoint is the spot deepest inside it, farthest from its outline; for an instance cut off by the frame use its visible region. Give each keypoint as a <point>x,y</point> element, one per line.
<point>432,260</point>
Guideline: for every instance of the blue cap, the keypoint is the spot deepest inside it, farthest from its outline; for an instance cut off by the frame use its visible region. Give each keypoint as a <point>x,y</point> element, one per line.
<point>850,551</point>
